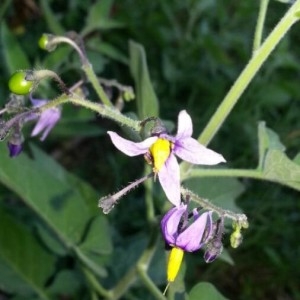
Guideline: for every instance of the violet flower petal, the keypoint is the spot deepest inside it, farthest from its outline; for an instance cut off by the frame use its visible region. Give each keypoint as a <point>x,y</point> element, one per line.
<point>191,151</point>
<point>46,122</point>
<point>38,102</point>
<point>184,126</point>
<point>169,178</point>
<point>190,239</point>
<point>170,222</point>
<point>131,148</point>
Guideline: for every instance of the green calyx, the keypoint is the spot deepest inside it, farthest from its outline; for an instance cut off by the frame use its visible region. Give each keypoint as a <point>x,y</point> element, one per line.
<point>18,84</point>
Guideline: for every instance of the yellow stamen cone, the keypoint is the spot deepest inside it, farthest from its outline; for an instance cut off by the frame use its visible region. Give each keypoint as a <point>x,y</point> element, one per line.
<point>160,152</point>
<point>174,263</point>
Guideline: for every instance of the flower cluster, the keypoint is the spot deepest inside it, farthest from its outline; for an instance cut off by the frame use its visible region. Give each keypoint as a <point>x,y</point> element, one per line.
<point>182,231</point>
<point>45,121</point>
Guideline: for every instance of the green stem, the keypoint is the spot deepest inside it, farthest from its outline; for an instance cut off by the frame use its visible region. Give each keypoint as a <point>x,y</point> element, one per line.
<point>149,199</point>
<point>248,73</point>
<point>131,276</point>
<point>206,204</point>
<point>255,174</point>
<point>86,67</point>
<point>103,110</point>
<point>149,284</point>
<point>260,24</point>
<point>90,74</point>
<point>95,284</point>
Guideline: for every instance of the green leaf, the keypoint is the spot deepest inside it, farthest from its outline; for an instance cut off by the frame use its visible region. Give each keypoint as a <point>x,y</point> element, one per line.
<point>275,164</point>
<point>97,240</point>
<point>99,17</point>
<point>205,291</point>
<point>267,139</point>
<point>14,56</point>
<point>49,192</point>
<point>65,283</point>
<point>147,103</point>
<point>25,266</point>
<point>278,167</point>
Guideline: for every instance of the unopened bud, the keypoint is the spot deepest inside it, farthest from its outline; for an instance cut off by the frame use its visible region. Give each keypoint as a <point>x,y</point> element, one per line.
<point>45,42</point>
<point>236,238</point>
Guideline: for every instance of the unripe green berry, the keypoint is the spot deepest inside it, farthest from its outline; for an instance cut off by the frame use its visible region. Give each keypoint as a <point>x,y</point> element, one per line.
<point>18,84</point>
<point>43,41</point>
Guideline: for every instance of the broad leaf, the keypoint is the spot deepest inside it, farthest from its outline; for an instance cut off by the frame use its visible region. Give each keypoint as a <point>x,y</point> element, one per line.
<point>97,240</point>
<point>25,266</point>
<point>56,202</point>
<point>205,291</point>
<point>274,163</point>
<point>147,103</point>
<point>267,139</point>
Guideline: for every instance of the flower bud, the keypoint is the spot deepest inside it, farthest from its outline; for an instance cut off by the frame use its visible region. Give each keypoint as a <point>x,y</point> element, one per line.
<point>19,84</point>
<point>14,143</point>
<point>128,95</point>
<point>45,42</point>
<point>236,238</point>
<point>214,249</point>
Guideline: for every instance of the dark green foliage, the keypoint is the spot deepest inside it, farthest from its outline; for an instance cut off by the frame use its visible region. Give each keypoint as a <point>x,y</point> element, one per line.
<point>185,55</point>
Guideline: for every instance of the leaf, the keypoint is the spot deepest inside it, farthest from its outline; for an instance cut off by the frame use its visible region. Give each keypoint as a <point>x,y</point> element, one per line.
<point>61,201</point>
<point>99,19</point>
<point>14,56</point>
<point>273,162</point>
<point>205,291</point>
<point>278,167</point>
<point>147,103</point>
<point>65,283</point>
<point>25,266</point>
<point>97,240</point>
<point>267,139</point>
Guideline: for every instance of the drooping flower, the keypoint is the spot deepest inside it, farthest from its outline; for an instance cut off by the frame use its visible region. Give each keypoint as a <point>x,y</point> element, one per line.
<point>46,120</point>
<point>161,149</point>
<point>184,233</point>
<point>14,149</point>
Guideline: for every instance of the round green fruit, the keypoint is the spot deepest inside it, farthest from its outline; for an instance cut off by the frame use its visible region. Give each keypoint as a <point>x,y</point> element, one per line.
<point>18,84</point>
<point>43,41</point>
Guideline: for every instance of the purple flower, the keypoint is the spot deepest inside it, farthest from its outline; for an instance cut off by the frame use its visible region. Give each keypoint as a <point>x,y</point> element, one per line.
<point>188,235</point>
<point>161,150</point>
<point>46,120</point>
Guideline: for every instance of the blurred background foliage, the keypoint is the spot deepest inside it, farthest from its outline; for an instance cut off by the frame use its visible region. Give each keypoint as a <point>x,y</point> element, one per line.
<point>195,50</point>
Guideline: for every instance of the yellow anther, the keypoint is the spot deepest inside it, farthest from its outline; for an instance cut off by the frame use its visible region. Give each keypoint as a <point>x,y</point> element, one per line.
<point>160,152</point>
<point>174,263</point>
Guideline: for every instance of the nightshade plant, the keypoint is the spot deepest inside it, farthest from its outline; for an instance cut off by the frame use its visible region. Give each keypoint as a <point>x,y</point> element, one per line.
<point>180,216</point>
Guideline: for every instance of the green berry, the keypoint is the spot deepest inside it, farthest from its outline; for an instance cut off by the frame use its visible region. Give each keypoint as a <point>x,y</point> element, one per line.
<point>43,41</point>
<point>18,84</point>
